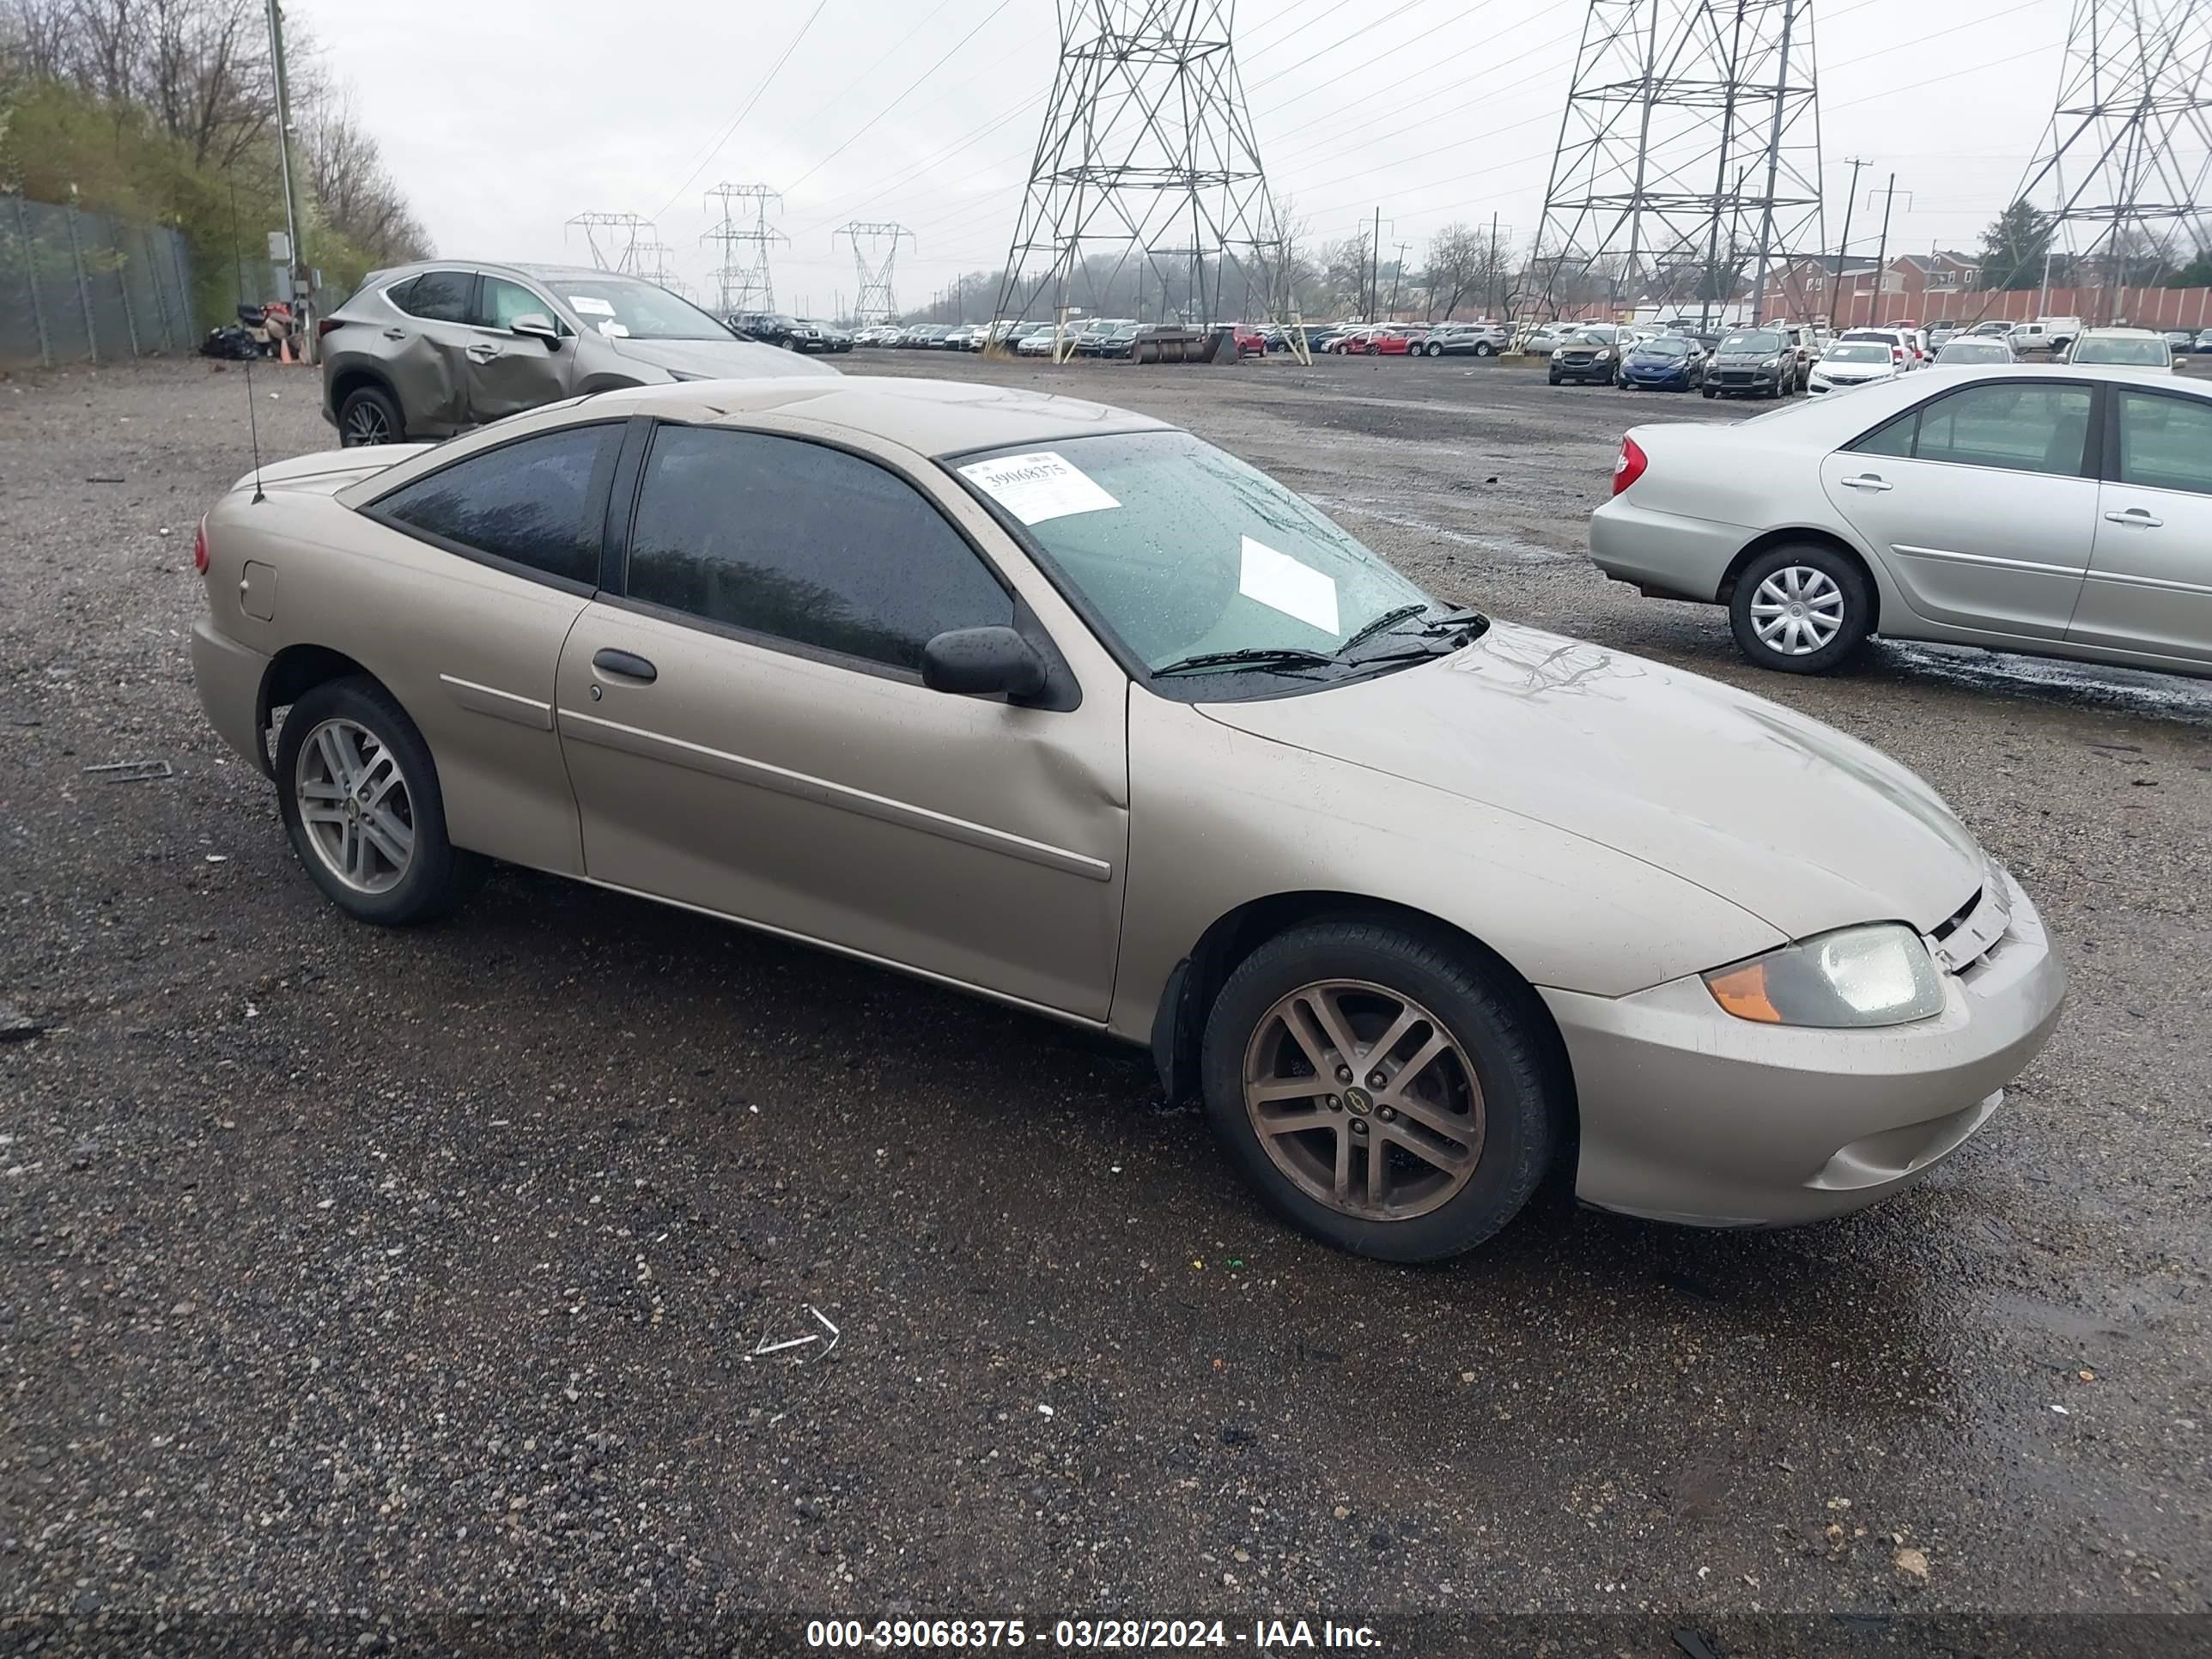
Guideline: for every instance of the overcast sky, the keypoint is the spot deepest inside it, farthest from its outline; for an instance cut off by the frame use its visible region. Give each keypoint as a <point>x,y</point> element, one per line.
<point>503,119</point>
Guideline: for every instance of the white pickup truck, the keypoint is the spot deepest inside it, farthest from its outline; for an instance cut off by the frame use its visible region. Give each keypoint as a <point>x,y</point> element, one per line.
<point>2046,334</point>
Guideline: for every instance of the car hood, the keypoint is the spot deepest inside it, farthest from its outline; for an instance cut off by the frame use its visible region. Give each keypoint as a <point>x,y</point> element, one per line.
<point>1856,371</point>
<point>1803,827</point>
<point>1754,357</point>
<point>1657,365</point>
<point>717,360</point>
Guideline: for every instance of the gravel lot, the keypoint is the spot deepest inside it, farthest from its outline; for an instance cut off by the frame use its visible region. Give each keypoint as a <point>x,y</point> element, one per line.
<point>382,1276</point>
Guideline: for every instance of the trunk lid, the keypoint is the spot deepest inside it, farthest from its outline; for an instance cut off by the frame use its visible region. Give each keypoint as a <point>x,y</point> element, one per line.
<point>327,471</point>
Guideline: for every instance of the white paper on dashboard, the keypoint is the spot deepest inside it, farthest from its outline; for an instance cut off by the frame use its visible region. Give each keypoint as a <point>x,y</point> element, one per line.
<point>1039,486</point>
<point>1281,583</point>
<point>586,306</point>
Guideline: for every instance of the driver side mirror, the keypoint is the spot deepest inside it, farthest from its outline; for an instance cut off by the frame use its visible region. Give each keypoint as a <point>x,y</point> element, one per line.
<point>536,326</point>
<point>982,662</point>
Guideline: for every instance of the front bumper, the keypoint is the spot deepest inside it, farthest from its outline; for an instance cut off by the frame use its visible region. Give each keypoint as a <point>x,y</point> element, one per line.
<point>1744,379</point>
<point>228,676</point>
<point>1691,1115</point>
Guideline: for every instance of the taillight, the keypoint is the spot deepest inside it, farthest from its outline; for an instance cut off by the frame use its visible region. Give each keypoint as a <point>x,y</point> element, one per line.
<point>199,549</point>
<point>325,324</point>
<point>1629,467</point>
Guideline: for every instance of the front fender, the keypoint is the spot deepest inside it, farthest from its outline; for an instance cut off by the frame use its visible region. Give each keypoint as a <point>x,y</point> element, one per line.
<point>1221,820</point>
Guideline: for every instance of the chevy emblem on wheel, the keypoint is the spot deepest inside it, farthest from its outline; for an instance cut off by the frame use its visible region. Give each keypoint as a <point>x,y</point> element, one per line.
<point>1059,705</point>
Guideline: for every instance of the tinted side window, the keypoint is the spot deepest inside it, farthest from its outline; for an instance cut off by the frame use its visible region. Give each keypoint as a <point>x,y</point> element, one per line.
<point>2165,443</point>
<point>1895,439</point>
<point>499,303</point>
<point>806,543</point>
<point>438,296</point>
<point>2022,429</point>
<point>528,501</point>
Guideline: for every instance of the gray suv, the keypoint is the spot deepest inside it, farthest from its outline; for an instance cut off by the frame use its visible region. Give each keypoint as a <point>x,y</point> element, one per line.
<point>426,350</point>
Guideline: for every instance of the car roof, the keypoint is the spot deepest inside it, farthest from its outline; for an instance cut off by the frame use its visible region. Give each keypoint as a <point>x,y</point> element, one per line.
<point>932,417</point>
<point>2123,334</point>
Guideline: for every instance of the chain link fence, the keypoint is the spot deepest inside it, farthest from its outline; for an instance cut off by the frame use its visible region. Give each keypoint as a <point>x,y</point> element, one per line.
<point>78,287</point>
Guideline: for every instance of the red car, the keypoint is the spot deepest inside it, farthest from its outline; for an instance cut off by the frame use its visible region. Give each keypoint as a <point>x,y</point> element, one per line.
<point>1393,342</point>
<point>1250,342</point>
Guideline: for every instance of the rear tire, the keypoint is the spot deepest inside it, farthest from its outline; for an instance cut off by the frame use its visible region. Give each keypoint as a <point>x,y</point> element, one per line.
<point>1480,1116</point>
<point>377,843</point>
<point>1802,609</point>
<point>1484,349</point>
<point>368,416</point>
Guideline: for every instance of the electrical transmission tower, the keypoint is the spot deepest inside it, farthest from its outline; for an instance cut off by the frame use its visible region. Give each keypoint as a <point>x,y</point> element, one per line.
<point>2126,160</point>
<point>650,260</point>
<point>612,237</point>
<point>1146,150</point>
<point>877,304</point>
<point>1690,148</point>
<point>741,278</point>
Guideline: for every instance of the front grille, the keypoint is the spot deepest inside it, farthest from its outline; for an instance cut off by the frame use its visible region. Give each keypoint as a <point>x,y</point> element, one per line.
<point>1966,938</point>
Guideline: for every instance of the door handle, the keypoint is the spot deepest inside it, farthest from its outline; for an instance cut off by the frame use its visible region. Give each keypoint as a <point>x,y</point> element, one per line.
<point>1866,481</point>
<point>395,333</point>
<point>2134,515</point>
<point>625,665</point>
<point>483,354</point>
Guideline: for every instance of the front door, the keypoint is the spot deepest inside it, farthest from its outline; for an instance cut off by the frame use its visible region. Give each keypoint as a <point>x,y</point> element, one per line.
<point>2150,578</point>
<point>508,373</point>
<point>1978,503</point>
<point>426,347</point>
<point>747,731</point>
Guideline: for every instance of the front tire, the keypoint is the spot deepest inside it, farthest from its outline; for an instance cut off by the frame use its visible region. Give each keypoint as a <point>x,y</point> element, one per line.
<point>360,799</point>
<point>368,416</point>
<point>1434,349</point>
<point>1802,609</point>
<point>1447,1102</point>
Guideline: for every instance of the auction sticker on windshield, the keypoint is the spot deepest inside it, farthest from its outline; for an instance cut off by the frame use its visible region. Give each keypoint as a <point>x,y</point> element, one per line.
<point>1281,583</point>
<point>588,306</point>
<point>1037,487</point>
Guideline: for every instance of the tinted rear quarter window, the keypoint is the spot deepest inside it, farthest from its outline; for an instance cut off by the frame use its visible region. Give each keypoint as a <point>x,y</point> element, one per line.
<point>2014,426</point>
<point>439,296</point>
<point>529,503</point>
<point>805,543</point>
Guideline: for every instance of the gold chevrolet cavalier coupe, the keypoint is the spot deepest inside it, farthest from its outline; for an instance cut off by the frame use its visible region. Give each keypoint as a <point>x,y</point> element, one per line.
<point>1061,705</point>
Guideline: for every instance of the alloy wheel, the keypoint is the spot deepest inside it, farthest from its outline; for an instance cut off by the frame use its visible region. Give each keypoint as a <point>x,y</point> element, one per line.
<point>1797,611</point>
<point>1364,1100</point>
<point>355,806</point>
<point>365,424</point>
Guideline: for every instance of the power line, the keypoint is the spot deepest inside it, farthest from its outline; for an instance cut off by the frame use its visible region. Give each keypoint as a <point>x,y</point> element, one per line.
<point>767,80</point>
<point>901,97</point>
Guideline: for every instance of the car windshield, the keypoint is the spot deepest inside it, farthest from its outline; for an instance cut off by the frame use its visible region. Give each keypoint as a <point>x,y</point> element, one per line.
<point>1767,344</point>
<point>1667,346</point>
<point>622,306</point>
<point>1973,351</point>
<point>2126,353</point>
<point>1181,550</point>
<point>1849,353</point>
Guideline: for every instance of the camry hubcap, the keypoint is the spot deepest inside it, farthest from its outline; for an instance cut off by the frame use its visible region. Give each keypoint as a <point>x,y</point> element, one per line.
<point>1797,610</point>
<point>1362,1100</point>
<point>355,806</point>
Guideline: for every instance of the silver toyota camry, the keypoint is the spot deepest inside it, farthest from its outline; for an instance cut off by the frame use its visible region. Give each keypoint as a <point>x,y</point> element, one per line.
<point>2062,512</point>
<point>1062,705</point>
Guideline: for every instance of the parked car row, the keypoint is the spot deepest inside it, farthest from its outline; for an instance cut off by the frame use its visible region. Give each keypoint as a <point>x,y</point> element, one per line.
<point>791,333</point>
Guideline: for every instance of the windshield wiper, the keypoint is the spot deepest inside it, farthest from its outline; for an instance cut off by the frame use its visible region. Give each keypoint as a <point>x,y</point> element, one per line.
<point>1266,658</point>
<point>1451,622</point>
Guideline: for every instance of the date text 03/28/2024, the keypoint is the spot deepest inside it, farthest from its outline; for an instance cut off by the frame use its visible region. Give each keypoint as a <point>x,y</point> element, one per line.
<point>886,1635</point>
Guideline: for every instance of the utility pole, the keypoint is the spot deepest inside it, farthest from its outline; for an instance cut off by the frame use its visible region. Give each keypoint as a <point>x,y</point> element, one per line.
<point>1881,250</point>
<point>1490,299</point>
<point>1375,270</point>
<point>302,294</point>
<point>1844,247</point>
<point>1398,276</point>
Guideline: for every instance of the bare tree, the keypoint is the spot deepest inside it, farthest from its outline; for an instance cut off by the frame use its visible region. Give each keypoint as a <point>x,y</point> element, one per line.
<point>1456,261</point>
<point>1344,268</point>
<point>346,172</point>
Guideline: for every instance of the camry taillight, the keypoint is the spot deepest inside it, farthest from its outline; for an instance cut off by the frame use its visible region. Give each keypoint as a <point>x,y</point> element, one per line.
<point>199,549</point>
<point>1629,467</point>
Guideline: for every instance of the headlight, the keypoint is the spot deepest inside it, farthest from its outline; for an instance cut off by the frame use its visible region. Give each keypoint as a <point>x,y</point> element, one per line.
<point>1604,351</point>
<point>1879,975</point>
<point>1774,362</point>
